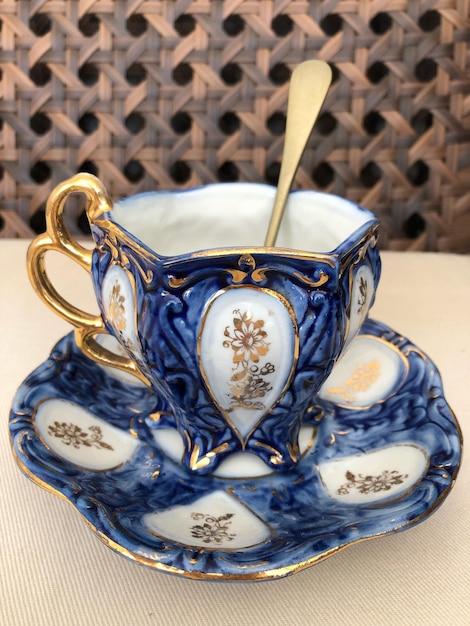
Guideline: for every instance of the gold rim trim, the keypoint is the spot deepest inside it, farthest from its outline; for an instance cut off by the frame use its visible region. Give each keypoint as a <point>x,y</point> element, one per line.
<point>329,258</point>
<point>272,574</point>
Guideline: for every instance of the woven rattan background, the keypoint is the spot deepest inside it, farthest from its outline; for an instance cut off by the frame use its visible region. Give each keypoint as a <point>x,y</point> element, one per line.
<point>166,94</point>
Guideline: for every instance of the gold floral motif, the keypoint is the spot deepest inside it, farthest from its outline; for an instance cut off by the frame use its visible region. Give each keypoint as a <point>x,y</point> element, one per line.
<point>74,436</point>
<point>371,484</point>
<point>212,530</point>
<point>248,342</point>
<point>117,317</point>
<point>116,308</point>
<point>362,299</point>
<point>361,380</point>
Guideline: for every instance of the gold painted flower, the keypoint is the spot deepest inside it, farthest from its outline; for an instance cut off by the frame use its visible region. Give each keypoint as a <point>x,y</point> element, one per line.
<point>74,436</point>
<point>249,342</point>
<point>372,484</point>
<point>364,375</point>
<point>213,530</point>
<point>362,299</point>
<point>375,484</point>
<point>116,308</point>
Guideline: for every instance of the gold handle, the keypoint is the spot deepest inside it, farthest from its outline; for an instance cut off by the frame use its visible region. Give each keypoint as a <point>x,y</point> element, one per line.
<point>57,238</point>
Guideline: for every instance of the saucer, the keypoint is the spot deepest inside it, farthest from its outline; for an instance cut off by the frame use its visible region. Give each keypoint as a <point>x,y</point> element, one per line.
<point>381,452</point>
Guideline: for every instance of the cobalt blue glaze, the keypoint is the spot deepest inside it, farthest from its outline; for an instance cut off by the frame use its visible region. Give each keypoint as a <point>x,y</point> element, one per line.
<point>169,318</point>
<point>307,523</point>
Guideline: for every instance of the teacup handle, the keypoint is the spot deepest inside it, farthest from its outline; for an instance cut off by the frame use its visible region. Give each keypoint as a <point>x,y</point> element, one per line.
<point>58,238</point>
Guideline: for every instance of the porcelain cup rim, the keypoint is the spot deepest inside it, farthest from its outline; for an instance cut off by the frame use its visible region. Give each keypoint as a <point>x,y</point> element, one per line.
<point>365,231</point>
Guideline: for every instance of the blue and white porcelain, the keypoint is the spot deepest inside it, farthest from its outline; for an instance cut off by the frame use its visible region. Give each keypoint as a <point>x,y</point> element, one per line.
<point>236,337</point>
<point>379,451</point>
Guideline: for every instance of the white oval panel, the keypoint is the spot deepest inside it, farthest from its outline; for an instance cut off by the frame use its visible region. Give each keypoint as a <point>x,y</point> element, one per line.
<point>362,290</point>
<point>214,522</point>
<point>373,476</point>
<point>78,436</point>
<point>170,442</point>
<point>247,352</point>
<point>369,371</point>
<point>118,298</point>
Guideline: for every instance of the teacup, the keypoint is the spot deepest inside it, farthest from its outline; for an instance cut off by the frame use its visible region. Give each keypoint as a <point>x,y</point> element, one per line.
<point>237,338</point>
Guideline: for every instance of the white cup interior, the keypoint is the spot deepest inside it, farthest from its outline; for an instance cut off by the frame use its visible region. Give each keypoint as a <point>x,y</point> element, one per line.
<point>236,215</point>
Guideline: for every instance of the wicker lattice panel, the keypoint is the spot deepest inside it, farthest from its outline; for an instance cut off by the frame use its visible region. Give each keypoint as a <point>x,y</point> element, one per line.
<point>168,94</point>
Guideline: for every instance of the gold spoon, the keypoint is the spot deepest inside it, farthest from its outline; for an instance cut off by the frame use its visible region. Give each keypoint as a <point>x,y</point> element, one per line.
<point>308,87</point>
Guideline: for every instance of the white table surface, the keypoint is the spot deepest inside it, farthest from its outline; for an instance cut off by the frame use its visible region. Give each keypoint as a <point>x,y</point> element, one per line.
<point>55,571</point>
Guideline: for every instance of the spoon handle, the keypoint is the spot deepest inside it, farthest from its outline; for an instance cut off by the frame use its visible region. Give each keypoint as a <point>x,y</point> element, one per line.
<point>308,87</point>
